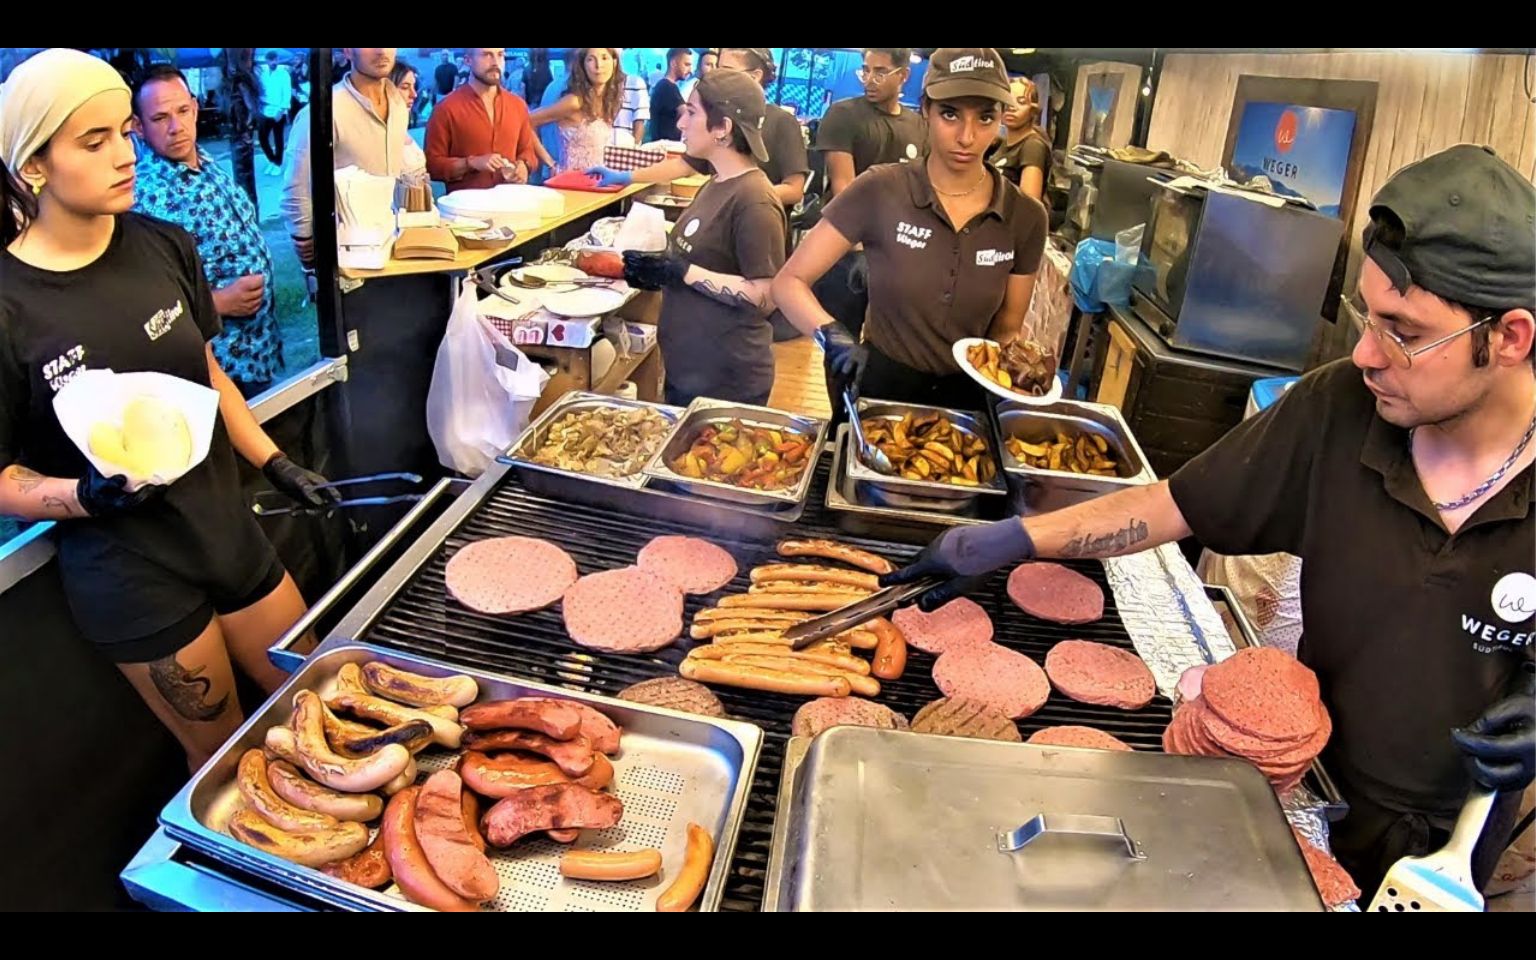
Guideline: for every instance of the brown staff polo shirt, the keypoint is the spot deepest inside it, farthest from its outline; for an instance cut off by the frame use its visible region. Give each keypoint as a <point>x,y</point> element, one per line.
<point>931,283</point>
<point>1412,631</point>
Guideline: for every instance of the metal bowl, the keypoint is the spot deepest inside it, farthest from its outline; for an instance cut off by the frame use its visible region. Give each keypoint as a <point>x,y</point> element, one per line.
<point>924,494</point>
<point>703,412</point>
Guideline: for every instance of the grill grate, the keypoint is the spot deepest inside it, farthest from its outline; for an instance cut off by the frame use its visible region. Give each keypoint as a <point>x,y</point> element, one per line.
<point>424,620</point>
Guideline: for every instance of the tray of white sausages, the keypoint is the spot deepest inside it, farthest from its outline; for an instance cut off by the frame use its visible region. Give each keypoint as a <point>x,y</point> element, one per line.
<point>378,780</point>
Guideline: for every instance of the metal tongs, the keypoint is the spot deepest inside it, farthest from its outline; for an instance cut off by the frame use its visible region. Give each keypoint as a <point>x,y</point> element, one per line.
<point>286,505</point>
<point>881,602</point>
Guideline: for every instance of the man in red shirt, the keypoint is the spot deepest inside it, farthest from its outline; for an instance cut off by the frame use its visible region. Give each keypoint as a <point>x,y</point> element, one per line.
<point>479,135</point>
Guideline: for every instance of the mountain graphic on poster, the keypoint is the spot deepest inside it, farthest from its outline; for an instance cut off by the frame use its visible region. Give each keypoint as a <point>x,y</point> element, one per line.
<point>1303,151</point>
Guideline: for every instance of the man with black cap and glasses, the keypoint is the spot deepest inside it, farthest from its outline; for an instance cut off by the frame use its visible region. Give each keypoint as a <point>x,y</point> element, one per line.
<point>1403,478</point>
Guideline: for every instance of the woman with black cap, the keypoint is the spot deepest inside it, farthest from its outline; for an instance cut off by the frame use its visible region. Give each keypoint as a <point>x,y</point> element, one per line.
<point>952,248</point>
<point>172,583</point>
<point>723,252</point>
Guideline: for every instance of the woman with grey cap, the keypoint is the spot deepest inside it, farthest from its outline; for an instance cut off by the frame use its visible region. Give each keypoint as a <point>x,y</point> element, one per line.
<point>723,252</point>
<point>171,583</point>
<point>952,248</point>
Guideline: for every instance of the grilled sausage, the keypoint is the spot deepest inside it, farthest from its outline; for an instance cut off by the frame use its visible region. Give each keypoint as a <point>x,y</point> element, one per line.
<point>685,889</point>
<point>832,550</point>
<point>358,775</point>
<point>560,806</point>
<point>445,732</point>
<point>891,655</point>
<point>573,757</point>
<point>601,865</point>
<point>553,718</point>
<point>805,572</point>
<point>367,869</point>
<point>407,860</point>
<point>288,783</point>
<point>452,855</point>
<point>758,678</point>
<point>305,849</point>
<point>256,790</point>
<point>503,774</point>
<point>415,690</point>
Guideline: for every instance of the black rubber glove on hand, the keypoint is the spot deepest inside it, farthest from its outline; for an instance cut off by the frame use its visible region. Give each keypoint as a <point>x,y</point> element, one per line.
<point>1500,745</point>
<point>101,496</point>
<point>846,357</point>
<point>964,555</point>
<point>653,271</point>
<point>305,487</point>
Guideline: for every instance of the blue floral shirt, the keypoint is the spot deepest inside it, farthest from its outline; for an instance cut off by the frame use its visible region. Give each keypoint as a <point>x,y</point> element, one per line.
<point>207,204</point>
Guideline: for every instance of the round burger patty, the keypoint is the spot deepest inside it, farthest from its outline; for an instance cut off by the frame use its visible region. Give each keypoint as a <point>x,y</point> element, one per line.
<point>675,693</point>
<point>950,717</point>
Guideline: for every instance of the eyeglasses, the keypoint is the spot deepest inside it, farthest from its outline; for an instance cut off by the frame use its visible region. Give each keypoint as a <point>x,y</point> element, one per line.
<point>1399,354</point>
<point>866,73</point>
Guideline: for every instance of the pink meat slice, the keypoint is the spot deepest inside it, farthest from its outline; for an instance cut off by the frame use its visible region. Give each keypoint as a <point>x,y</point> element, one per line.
<point>1098,673</point>
<point>1052,592</point>
<point>1001,678</point>
<point>1090,738</point>
<point>696,566</point>
<point>959,622</point>
<point>627,610</point>
<point>509,574</point>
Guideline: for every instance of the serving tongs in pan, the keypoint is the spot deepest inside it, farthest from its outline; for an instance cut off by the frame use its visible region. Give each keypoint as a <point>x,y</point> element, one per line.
<point>273,503</point>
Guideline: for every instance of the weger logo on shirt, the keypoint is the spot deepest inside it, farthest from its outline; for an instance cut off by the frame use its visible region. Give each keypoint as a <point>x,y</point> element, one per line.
<point>1514,601</point>
<point>914,237</point>
<point>991,258</point>
<point>161,322</point>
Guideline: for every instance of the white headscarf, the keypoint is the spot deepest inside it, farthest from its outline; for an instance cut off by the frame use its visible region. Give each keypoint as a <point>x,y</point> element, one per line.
<point>42,92</point>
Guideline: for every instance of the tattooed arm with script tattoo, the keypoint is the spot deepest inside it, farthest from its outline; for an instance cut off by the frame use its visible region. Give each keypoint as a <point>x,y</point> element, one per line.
<point>29,495</point>
<point>1129,521</point>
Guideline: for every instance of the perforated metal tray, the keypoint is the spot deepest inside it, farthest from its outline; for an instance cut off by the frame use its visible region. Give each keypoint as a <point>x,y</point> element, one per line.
<point>673,769</point>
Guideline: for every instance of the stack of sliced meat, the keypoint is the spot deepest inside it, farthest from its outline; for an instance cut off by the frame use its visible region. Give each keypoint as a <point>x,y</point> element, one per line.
<point>545,763</point>
<point>1260,705</point>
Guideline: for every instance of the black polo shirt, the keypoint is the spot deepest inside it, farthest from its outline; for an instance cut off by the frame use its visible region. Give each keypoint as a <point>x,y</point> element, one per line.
<point>931,283</point>
<point>1412,631</point>
<point>858,127</point>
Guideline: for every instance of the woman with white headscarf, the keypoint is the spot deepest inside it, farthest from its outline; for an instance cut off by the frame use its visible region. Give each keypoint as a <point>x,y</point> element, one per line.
<point>172,583</point>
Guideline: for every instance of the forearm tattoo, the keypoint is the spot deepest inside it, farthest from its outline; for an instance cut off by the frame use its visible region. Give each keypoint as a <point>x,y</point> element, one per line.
<point>1110,544</point>
<point>728,294</point>
<point>27,480</point>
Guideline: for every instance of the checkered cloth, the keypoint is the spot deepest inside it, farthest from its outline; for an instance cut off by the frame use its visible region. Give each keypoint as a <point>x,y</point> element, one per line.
<point>630,158</point>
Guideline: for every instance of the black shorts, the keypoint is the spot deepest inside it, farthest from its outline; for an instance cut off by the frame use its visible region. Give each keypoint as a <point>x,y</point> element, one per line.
<point>136,610</point>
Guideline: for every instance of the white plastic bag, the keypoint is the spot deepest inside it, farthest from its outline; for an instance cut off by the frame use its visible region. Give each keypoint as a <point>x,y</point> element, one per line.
<point>483,390</point>
<point>101,395</point>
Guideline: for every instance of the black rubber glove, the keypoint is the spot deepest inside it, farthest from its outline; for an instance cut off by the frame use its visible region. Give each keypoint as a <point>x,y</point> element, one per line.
<point>1500,745</point>
<point>653,271</point>
<point>305,487</point>
<point>964,555</point>
<point>846,357</point>
<point>101,496</point>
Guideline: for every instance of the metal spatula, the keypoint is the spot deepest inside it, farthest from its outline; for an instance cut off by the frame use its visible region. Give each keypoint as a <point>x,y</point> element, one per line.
<point>1442,881</point>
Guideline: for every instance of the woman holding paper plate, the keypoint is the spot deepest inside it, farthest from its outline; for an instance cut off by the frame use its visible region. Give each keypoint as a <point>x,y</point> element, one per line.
<point>952,247</point>
<point>173,583</point>
<point>726,246</point>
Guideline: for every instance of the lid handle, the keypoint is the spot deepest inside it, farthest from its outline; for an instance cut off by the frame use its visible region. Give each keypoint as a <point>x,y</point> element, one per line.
<point>1075,824</point>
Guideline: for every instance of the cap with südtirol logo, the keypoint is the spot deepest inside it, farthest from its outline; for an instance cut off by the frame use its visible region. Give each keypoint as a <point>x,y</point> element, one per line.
<point>955,72</point>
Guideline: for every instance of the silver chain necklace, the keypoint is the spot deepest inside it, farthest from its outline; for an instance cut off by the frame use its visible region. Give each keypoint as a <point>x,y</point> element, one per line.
<point>1488,484</point>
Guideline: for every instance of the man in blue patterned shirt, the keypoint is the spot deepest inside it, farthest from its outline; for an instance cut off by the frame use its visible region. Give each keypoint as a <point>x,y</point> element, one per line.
<point>179,183</point>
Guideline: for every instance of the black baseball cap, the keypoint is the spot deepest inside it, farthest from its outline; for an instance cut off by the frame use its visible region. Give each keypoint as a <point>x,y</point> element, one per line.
<point>739,97</point>
<point>955,72</point>
<point>1469,228</point>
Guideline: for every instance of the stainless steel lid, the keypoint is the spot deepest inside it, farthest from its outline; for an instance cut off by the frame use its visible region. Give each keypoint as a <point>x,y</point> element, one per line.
<point>889,820</point>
